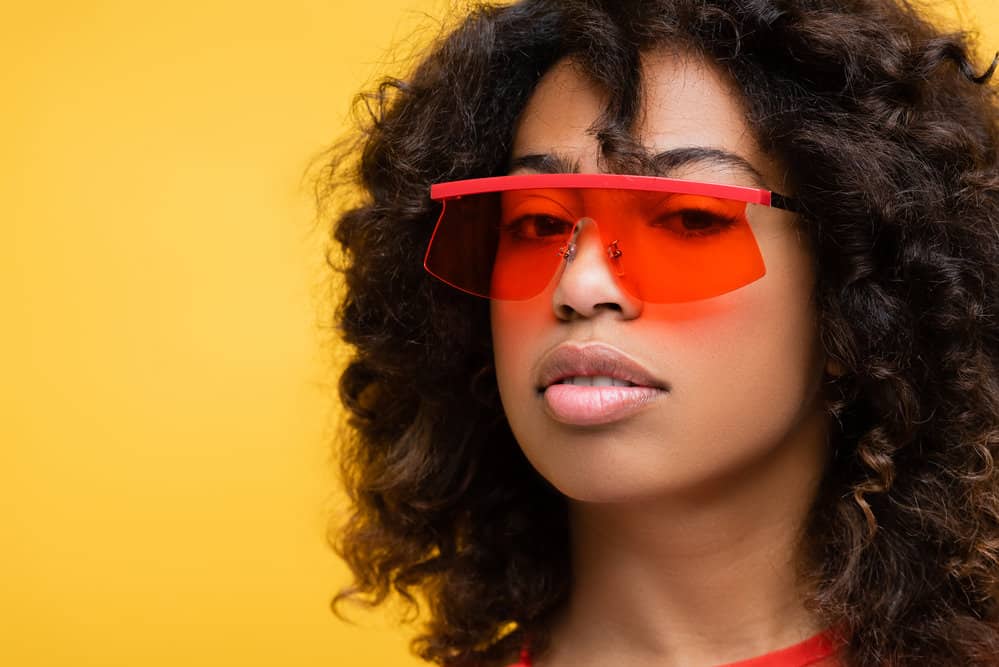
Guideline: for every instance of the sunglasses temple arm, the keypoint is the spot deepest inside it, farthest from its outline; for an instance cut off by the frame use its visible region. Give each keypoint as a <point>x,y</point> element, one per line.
<point>782,202</point>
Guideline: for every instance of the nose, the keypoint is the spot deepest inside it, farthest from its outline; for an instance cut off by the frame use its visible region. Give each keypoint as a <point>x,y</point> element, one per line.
<point>587,286</point>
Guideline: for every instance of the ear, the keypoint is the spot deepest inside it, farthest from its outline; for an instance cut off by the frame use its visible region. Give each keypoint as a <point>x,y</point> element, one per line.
<point>834,368</point>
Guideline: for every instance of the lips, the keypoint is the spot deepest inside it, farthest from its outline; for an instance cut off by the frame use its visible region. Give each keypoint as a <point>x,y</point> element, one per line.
<point>593,360</point>
<point>594,384</point>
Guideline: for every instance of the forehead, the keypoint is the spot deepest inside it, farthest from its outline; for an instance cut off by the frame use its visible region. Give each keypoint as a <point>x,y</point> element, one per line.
<point>686,102</point>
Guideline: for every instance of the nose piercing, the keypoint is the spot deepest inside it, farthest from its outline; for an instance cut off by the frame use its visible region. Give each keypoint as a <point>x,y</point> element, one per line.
<point>613,251</point>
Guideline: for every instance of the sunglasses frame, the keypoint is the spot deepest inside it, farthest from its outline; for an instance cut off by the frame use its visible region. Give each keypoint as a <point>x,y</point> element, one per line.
<point>474,186</point>
<point>452,190</point>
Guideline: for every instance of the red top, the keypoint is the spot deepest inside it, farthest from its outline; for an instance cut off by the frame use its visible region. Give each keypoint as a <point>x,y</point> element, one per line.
<point>817,651</point>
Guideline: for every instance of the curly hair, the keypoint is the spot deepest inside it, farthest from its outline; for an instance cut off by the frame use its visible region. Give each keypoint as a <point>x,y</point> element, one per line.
<point>890,139</point>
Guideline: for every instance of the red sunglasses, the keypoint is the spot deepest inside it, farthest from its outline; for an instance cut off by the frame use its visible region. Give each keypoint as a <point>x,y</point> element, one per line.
<point>667,240</point>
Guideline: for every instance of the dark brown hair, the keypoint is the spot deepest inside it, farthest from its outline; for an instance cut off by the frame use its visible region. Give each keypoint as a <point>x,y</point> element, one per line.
<point>890,139</point>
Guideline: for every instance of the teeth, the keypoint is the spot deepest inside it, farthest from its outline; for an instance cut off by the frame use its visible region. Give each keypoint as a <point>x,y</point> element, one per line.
<point>596,381</point>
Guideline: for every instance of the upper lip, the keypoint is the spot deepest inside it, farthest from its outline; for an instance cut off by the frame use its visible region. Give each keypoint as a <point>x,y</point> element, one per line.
<point>571,360</point>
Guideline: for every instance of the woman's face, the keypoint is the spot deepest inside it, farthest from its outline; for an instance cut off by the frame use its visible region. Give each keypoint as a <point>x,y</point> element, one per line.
<point>732,381</point>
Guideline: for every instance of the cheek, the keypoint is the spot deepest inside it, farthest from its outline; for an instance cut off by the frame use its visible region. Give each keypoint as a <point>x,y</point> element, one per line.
<point>518,329</point>
<point>755,351</point>
<point>523,331</point>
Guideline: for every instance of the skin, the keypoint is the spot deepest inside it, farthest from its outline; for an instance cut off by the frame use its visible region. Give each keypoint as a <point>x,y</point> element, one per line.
<point>685,516</point>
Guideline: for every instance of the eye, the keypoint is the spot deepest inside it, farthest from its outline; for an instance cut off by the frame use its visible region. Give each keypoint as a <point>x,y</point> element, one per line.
<point>690,222</point>
<point>538,227</point>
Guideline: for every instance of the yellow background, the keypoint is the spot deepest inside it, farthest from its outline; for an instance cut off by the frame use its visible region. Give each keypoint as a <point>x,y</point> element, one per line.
<point>166,409</point>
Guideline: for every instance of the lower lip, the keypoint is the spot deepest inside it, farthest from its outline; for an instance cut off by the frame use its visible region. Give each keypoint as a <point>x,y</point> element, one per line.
<point>589,406</point>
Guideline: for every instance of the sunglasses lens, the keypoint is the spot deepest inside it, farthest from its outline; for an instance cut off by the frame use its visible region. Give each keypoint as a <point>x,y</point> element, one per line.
<point>662,247</point>
<point>677,248</point>
<point>476,249</point>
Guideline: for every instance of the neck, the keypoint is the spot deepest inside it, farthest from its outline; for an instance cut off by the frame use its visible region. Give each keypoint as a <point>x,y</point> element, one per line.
<point>701,578</point>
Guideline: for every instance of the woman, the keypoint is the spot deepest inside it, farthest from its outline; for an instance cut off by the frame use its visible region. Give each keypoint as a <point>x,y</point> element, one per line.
<point>717,383</point>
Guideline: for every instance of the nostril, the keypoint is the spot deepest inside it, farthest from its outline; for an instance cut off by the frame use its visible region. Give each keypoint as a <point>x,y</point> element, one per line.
<point>564,312</point>
<point>567,312</point>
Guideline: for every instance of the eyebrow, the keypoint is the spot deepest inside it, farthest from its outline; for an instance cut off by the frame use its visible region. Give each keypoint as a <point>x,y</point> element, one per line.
<point>546,163</point>
<point>662,164</point>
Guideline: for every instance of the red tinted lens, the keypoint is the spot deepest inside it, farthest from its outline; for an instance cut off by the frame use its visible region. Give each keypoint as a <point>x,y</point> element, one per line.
<point>662,247</point>
<point>477,247</point>
<point>670,248</point>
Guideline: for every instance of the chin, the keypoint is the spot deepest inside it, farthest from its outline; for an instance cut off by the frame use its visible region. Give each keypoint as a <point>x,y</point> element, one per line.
<point>605,482</point>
